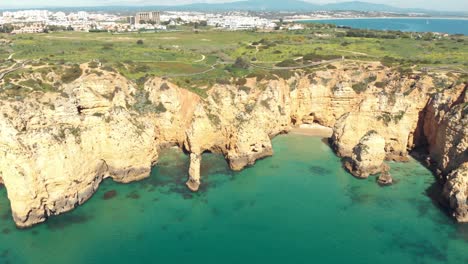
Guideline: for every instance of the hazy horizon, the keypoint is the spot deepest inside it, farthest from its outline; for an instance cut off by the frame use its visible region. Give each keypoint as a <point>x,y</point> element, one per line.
<point>448,5</point>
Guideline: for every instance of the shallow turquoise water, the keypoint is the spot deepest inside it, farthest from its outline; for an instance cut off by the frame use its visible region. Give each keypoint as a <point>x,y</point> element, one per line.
<point>296,207</point>
<point>451,26</point>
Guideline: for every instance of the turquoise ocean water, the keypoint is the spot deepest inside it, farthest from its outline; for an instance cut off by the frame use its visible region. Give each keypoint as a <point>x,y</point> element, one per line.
<point>298,206</point>
<point>451,26</point>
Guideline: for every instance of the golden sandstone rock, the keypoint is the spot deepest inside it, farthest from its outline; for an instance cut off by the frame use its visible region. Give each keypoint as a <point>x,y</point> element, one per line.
<point>56,148</point>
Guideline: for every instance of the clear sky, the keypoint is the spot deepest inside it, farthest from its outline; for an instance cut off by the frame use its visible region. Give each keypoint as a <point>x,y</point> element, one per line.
<point>453,5</point>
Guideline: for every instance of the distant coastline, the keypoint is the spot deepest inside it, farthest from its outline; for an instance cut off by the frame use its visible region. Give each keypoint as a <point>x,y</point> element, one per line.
<point>354,18</point>
<point>455,25</point>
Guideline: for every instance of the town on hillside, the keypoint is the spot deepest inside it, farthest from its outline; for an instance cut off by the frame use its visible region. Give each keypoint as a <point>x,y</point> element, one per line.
<point>43,21</point>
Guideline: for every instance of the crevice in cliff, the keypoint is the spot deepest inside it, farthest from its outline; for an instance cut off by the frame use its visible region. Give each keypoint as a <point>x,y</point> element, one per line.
<point>420,142</point>
<point>461,97</point>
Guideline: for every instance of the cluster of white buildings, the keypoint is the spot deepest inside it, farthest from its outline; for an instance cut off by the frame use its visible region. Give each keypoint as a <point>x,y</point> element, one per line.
<point>238,22</point>
<point>36,21</point>
<point>228,21</point>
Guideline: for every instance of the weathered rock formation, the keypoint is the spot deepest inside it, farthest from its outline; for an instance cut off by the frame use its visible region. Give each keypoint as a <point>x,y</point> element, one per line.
<point>55,150</point>
<point>385,177</point>
<point>56,147</point>
<point>368,156</point>
<point>456,192</point>
<point>193,182</point>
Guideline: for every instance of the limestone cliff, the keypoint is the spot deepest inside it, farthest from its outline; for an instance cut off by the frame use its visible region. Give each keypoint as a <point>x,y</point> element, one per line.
<point>56,147</point>
<point>368,156</point>
<point>456,192</point>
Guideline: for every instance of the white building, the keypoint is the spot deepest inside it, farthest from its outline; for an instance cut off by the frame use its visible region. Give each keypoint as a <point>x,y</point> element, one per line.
<point>82,15</point>
<point>33,28</point>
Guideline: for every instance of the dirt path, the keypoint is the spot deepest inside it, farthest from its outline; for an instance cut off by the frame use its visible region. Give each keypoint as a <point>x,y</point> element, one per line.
<point>212,68</point>
<point>12,69</point>
<point>358,53</point>
<point>297,67</point>
<point>202,59</point>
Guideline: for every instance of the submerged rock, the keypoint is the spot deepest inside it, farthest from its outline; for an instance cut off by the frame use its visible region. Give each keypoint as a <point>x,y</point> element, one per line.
<point>385,178</point>
<point>109,195</point>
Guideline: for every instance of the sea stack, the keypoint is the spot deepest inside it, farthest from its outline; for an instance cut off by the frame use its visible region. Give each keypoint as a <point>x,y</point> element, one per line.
<point>368,156</point>
<point>193,182</point>
<point>385,178</point>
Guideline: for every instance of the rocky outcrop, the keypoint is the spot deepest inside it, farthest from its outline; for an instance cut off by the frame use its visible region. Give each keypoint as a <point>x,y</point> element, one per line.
<point>446,133</point>
<point>193,182</point>
<point>54,151</point>
<point>385,177</point>
<point>55,148</point>
<point>456,192</point>
<point>368,156</point>
<point>448,138</point>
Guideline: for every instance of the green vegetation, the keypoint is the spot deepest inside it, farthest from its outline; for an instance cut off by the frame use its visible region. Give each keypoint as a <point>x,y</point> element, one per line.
<point>72,73</point>
<point>360,87</point>
<point>37,85</point>
<point>144,105</point>
<point>288,63</point>
<point>197,62</point>
<point>386,117</point>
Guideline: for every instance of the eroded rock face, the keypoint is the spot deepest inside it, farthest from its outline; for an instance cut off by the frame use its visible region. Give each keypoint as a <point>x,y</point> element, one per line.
<point>193,182</point>
<point>368,156</point>
<point>448,143</point>
<point>456,192</point>
<point>53,158</point>
<point>55,148</point>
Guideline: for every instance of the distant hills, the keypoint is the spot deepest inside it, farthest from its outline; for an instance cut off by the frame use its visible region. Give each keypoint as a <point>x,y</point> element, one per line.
<point>270,5</point>
<point>303,6</point>
<point>289,5</point>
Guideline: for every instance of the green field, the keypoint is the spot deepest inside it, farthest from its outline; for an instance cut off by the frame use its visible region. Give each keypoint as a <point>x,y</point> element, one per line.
<point>197,59</point>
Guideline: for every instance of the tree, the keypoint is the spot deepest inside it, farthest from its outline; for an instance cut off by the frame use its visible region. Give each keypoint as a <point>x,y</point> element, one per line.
<point>140,42</point>
<point>241,63</point>
<point>6,28</point>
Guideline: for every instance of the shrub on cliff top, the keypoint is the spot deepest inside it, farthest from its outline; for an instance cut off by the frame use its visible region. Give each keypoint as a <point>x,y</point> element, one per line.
<point>223,81</point>
<point>287,63</point>
<point>284,74</point>
<point>160,108</point>
<point>93,65</point>
<point>245,89</point>
<point>241,63</point>
<point>241,81</point>
<point>360,87</point>
<point>381,84</point>
<point>164,87</point>
<point>71,74</point>
<point>370,133</point>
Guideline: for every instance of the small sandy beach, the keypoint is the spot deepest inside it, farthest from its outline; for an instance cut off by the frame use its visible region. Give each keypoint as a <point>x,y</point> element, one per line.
<point>313,130</point>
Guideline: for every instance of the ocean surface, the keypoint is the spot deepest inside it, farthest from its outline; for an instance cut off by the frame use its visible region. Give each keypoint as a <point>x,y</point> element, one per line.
<point>451,26</point>
<point>298,206</point>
